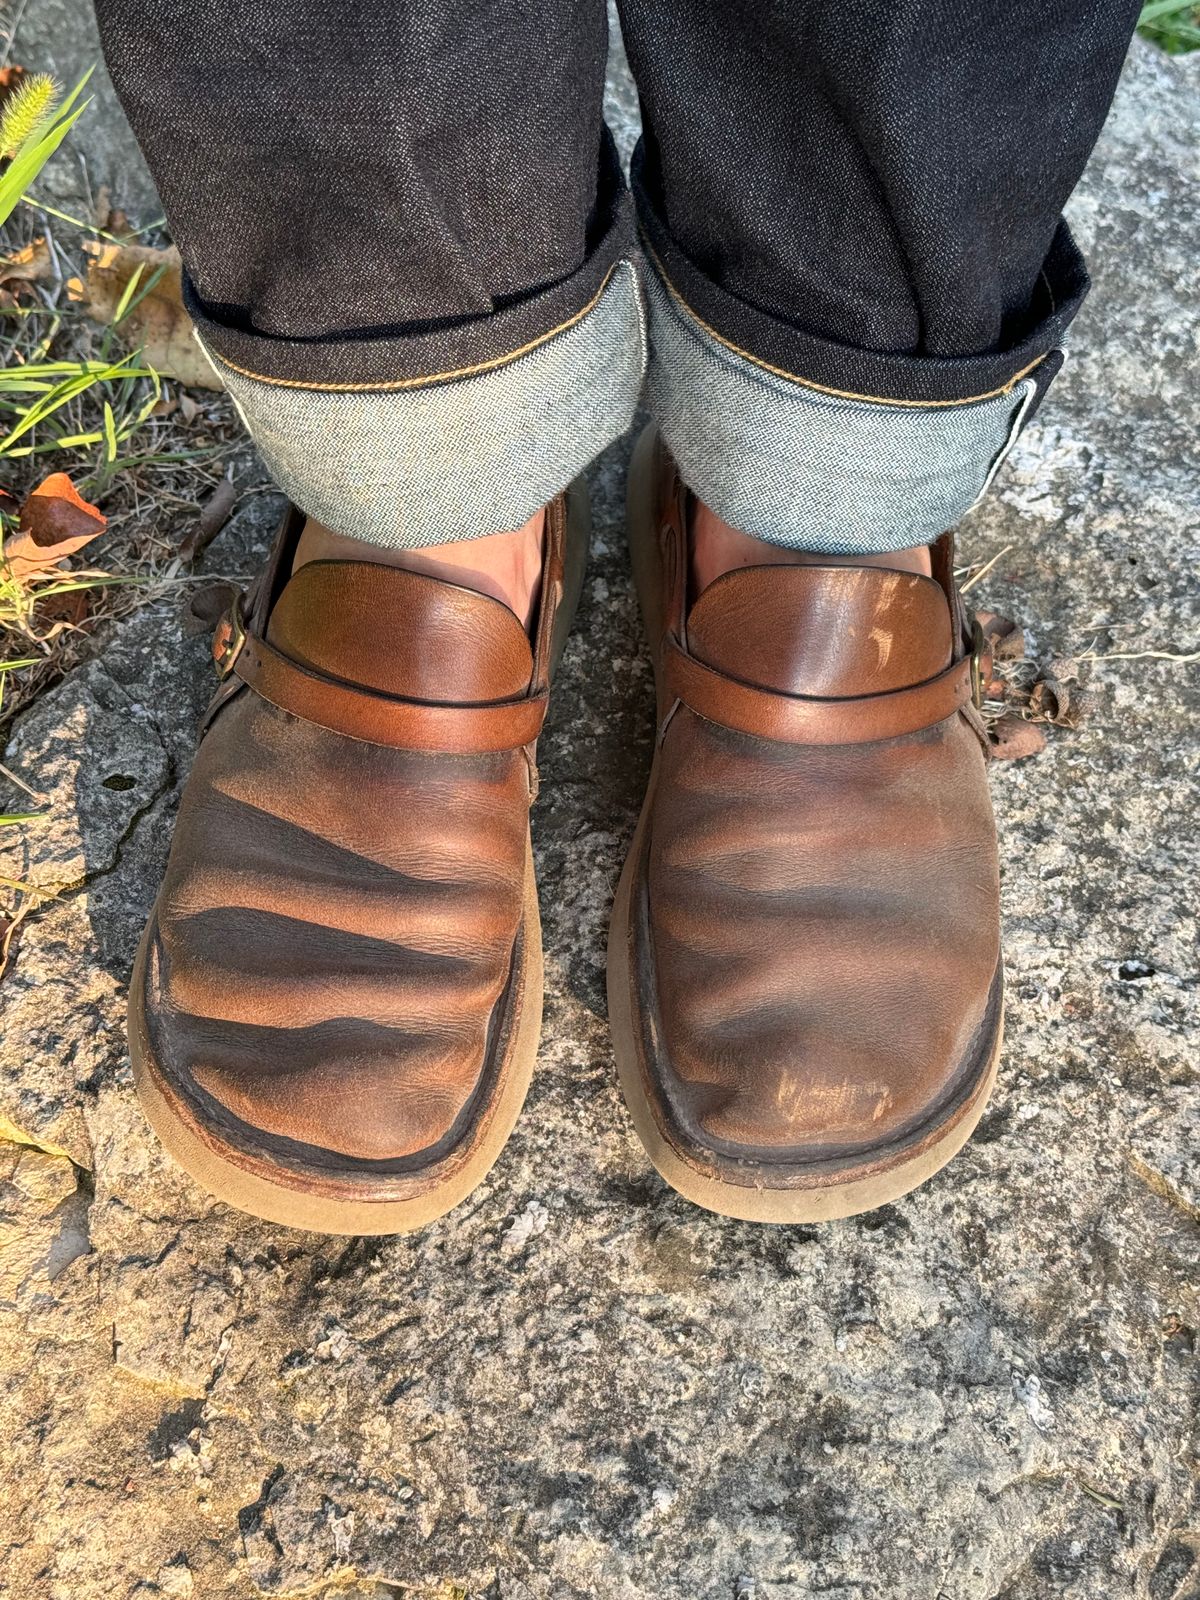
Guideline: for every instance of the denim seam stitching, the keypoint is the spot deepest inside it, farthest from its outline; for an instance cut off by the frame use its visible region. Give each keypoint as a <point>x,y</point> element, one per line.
<point>821,388</point>
<point>433,378</point>
<point>767,382</point>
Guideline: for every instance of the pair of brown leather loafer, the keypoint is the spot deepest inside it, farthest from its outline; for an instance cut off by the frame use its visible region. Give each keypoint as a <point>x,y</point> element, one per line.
<point>335,1009</point>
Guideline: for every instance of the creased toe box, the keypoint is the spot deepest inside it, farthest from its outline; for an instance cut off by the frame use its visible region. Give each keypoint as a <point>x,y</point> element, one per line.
<point>334,945</point>
<point>818,945</point>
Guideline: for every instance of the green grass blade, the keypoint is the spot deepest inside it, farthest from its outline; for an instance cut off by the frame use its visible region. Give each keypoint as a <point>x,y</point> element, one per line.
<point>82,379</point>
<point>76,92</point>
<point>128,293</point>
<point>127,304</point>
<point>1155,10</point>
<point>110,434</point>
<point>26,165</point>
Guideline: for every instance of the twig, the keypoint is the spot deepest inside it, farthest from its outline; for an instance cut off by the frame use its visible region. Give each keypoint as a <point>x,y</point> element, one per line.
<point>984,570</point>
<point>1139,655</point>
<point>21,784</point>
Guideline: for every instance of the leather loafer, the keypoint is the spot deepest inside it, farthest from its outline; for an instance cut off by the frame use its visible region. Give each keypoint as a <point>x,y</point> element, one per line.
<point>805,985</point>
<point>335,1009</point>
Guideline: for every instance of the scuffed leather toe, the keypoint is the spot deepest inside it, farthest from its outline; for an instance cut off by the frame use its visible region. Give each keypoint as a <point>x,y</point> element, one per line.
<point>822,963</point>
<point>804,964</point>
<point>324,971</point>
<point>335,1010</point>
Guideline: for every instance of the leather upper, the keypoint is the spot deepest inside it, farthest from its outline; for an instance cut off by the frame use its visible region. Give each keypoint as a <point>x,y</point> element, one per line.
<point>818,946</point>
<point>335,935</point>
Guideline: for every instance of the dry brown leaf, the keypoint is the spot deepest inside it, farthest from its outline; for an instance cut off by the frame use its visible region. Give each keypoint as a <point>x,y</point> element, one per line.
<point>1004,638</point>
<point>109,218</point>
<point>1050,701</point>
<point>214,514</point>
<point>10,77</point>
<point>55,522</point>
<point>158,321</point>
<point>59,610</point>
<point>1013,738</point>
<point>30,264</point>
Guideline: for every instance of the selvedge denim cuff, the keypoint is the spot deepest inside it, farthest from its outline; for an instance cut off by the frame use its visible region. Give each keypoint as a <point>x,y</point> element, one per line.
<point>846,451</point>
<point>451,433</point>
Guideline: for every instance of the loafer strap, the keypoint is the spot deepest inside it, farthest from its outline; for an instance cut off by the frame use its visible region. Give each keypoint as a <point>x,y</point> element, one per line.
<point>375,718</point>
<point>802,719</point>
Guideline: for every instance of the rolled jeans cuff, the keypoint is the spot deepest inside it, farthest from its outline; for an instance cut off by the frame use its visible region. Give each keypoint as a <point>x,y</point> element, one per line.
<point>410,441</point>
<point>844,451</point>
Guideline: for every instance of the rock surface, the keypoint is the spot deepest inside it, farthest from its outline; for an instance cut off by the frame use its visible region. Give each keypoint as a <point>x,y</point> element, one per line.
<point>60,36</point>
<point>577,1384</point>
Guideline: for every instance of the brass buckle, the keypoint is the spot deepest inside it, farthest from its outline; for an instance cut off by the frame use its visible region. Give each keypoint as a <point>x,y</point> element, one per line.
<point>978,651</point>
<point>228,639</point>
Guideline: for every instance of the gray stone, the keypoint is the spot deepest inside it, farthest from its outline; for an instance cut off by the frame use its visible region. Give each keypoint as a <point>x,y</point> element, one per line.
<point>60,36</point>
<point>577,1384</point>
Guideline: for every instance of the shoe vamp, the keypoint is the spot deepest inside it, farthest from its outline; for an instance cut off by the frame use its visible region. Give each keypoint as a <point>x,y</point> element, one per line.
<point>824,931</point>
<point>336,929</point>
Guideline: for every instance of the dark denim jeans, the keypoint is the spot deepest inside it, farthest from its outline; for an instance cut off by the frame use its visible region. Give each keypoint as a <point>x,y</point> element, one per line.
<point>406,239</point>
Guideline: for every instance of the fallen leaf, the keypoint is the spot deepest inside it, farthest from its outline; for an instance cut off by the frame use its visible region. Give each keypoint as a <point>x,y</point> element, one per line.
<point>10,77</point>
<point>55,510</point>
<point>1013,738</point>
<point>214,514</point>
<point>70,608</point>
<point>1004,638</point>
<point>30,264</point>
<point>109,218</point>
<point>176,402</point>
<point>157,322</point>
<point>1050,701</point>
<point>55,521</point>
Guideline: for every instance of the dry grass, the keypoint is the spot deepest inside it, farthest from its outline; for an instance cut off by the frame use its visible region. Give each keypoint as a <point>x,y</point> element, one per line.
<point>148,455</point>
<point>152,492</point>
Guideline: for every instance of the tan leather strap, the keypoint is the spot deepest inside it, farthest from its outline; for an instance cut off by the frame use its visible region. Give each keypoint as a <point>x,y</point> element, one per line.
<point>798,719</point>
<point>382,719</point>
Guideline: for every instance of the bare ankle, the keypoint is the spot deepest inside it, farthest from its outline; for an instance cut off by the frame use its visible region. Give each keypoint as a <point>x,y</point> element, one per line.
<point>718,548</point>
<point>506,566</point>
